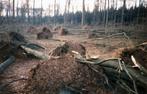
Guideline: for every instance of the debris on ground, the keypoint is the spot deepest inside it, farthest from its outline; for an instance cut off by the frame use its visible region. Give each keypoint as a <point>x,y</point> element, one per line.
<point>50,76</point>
<point>45,34</point>
<point>72,72</point>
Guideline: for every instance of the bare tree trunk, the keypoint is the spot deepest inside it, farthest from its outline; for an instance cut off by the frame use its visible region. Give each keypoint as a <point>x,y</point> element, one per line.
<point>41,11</point>
<point>115,17</point>
<point>33,11</point>
<point>138,12</point>
<point>107,18</point>
<point>83,13</point>
<point>104,19</point>
<point>9,9</point>
<point>54,12</point>
<point>68,7</point>
<point>28,10</point>
<point>65,12</point>
<point>17,9</point>
<point>123,10</point>
<point>13,8</point>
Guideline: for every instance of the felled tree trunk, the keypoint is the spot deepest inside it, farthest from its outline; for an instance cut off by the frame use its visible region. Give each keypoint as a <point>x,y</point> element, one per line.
<point>35,53</point>
<point>6,63</point>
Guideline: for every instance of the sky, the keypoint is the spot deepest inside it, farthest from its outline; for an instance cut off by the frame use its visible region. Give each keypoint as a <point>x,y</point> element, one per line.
<point>76,5</point>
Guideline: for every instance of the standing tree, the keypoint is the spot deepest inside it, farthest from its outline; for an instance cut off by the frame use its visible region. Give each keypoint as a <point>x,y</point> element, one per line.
<point>54,12</point>
<point>1,8</point>
<point>104,19</point>
<point>28,9</point>
<point>41,11</point>
<point>13,8</point>
<point>83,12</point>
<point>33,11</point>
<point>123,12</point>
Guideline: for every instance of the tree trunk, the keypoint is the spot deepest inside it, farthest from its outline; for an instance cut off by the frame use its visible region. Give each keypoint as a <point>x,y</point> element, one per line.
<point>104,19</point>
<point>35,53</point>
<point>54,12</point>
<point>123,10</point>
<point>28,10</point>
<point>6,63</point>
<point>33,11</point>
<point>41,11</point>
<point>107,18</point>
<point>83,13</point>
<point>65,13</point>
<point>13,8</point>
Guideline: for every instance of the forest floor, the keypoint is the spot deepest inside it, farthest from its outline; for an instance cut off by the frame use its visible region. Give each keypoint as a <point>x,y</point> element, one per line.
<point>104,46</point>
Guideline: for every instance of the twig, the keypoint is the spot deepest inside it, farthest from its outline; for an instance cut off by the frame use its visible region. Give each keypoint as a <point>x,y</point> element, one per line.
<point>127,72</point>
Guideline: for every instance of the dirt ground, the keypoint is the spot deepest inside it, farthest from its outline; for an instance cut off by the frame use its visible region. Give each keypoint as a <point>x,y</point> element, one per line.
<point>101,47</point>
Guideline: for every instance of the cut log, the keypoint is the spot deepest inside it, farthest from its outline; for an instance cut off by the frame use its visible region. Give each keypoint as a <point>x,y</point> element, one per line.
<point>35,53</point>
<point>6,63</point>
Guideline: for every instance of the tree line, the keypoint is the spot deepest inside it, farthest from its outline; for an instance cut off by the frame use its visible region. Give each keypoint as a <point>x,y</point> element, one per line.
<point>110,14</point>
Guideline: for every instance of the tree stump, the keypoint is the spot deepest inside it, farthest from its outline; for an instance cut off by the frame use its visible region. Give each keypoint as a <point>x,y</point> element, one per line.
<point>45,34</point>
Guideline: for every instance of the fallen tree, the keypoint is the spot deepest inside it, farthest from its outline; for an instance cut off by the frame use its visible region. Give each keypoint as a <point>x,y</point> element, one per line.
<point>6,63</point>
<point>126,76</point>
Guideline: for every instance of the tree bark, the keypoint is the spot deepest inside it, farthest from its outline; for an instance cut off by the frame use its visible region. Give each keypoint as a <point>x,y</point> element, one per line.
<point>83,12</point>
<point>13,8</point>
<point>6,63</point>
<point>35,53</point>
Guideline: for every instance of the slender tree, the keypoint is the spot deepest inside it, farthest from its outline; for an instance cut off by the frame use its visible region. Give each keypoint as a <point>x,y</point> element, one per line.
<point>28,9</point>
<point>104,19</point>
<point>41,11</point>
<point>65,12</point>
<point>1,8</point>
<point>55,12</point>
<point>83,12</point>
<point>34,11</point>
<point>123,10</point>
<point>13,8</point>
